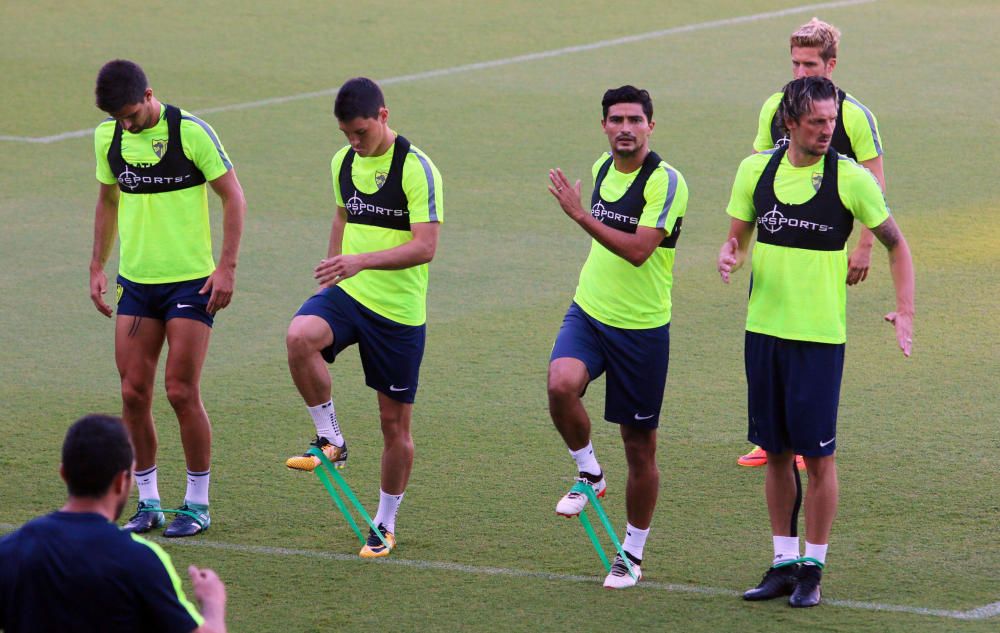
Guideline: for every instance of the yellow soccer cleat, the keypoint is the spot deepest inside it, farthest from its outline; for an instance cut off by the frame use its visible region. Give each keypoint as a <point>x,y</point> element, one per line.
<point>309,462</point>
<point>374,548</point>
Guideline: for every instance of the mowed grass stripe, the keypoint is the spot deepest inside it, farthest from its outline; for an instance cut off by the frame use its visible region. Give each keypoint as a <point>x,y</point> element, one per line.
<point>496,63</point>
<point>979,613</point>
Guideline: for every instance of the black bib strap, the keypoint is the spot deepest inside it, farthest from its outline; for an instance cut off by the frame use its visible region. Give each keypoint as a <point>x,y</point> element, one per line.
<point>388,207</point>
<point>173,172</point>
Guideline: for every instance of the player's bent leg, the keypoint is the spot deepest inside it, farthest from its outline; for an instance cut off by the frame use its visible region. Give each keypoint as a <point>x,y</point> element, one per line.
<point>138,341</point>
<point>568,378</point>
<point>307,336</point>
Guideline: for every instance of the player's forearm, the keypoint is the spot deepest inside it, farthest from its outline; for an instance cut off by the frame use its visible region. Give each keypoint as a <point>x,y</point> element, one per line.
<point>335,246</point>
<point>412,253</point>
<point>105,227</point>
<point>629,246</point>
<point>867,238</point>
<point>234,209</point>
<point>901,268</point>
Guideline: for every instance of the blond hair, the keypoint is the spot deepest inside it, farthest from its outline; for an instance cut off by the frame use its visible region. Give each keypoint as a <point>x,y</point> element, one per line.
<point>817,34</point>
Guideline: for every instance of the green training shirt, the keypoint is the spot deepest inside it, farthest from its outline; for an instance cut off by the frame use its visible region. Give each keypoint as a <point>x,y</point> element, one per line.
<point>801,294</point>
<point>859,123</point>
<point>612,290</point>
<point>165,237</point>
<point>400,295</point>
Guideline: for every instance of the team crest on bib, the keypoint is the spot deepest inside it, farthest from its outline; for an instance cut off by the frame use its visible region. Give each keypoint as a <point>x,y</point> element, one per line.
<point>159,147</point>
<point>380,177</point>
<point>817,180</point>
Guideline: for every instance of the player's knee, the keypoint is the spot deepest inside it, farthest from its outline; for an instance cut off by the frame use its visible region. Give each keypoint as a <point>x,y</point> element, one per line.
<point>135,396</point>
<point>562,387</point>
<point>300,341</point>
<point>182,394</point>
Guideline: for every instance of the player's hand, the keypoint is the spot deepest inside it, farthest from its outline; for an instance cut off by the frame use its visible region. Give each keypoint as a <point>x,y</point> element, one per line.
<point>332,270</point>
<point>858,264</point>
<point>567,195</point>
<point>727,258</point>
<point>98,288</point>
<point>904,330</point>
<point>221,284</point>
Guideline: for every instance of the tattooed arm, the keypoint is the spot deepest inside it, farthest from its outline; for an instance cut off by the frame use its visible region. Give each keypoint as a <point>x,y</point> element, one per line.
<point>901,267</point>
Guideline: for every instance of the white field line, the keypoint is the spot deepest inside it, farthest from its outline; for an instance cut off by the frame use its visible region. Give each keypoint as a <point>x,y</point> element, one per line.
<point>978,613</point>
<point>496,63</point>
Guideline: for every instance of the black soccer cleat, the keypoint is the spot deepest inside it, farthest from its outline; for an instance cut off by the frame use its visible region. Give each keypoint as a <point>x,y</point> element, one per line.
<point>147,517</point>
<point>777,582</point>
<point>806,592</point>
<point>191,519</point>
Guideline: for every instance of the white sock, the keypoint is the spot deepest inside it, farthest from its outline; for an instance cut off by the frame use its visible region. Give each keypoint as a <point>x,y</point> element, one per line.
<point>197,488</point>
<point>388,506</point>
<point>816,551</point>
<point>145,481</point>
<point>325,418</point>
<point>635,540</point>
<point>586,462</point>
<point>786,549</point>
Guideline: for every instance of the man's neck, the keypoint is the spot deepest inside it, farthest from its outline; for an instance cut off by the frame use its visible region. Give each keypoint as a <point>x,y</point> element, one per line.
<point>86,505</point>
<point>628,164</point>
<point>390,139</point>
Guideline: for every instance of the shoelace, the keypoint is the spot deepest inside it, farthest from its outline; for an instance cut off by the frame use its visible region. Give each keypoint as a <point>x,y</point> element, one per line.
<point>619,568</point>
<point>373,539</point>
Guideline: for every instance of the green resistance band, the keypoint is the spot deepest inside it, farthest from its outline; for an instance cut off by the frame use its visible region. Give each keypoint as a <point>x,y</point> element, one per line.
<point>345,490</point>
<point>595,503</point>
<point>193,515</point>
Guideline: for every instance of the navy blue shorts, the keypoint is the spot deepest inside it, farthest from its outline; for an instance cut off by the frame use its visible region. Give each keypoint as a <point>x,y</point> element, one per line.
<point>163,302</point>
<point>793,391</point>
<point>390,352</point>
<point>636,362</point>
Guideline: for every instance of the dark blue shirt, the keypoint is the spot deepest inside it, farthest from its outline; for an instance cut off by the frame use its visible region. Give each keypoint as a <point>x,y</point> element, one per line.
<point>77,572</point>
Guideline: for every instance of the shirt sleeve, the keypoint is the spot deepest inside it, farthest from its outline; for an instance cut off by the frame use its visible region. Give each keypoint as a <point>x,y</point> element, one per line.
<point>861,194</point>
<point>161,593</point>
<point>423,188</point>
<point>203,147</point>
<point>335,163</point>
<point>102,142</point>
<point>741,199</point>
<point>862,130</point>
<point>666,196</point>
<point>764,141</point>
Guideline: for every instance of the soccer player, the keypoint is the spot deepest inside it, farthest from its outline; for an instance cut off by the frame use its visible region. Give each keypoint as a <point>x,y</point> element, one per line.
<point>814,48</point>
<point>74,570</point>
<point>803,198</point>
<point>152,190</point>
<point>619,320</point>
<point>373,291</point>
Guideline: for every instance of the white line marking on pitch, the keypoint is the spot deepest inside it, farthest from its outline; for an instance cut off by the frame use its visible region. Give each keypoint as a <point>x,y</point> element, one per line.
<point>506,61</point>
<point>978,613</point>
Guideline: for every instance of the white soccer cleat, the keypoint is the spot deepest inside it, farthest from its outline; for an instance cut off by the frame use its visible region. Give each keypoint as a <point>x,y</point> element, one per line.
<point>574,502</point>
<point>619,577</point>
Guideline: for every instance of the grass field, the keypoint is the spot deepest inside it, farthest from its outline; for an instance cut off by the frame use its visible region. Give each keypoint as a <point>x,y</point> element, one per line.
<point>916,545</point>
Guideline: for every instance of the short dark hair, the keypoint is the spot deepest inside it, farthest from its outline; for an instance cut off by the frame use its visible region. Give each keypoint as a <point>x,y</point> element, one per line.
<point>358,97</point>
<point>628,94</point>
<point>119,83</point>
<point>96,448</point>
<point>797,97</point>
